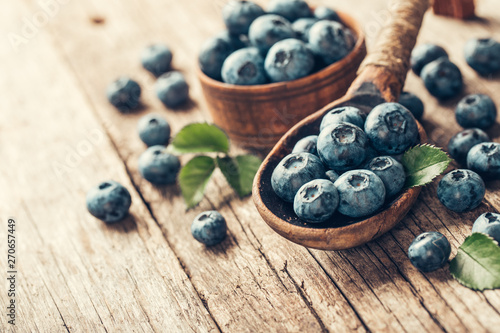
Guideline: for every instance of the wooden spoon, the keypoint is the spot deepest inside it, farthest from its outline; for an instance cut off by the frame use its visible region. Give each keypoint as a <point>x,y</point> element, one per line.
<point>380,79</point>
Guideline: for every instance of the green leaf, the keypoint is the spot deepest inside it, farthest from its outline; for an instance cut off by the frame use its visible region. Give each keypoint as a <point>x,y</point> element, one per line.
<point>477,263</point>
<point>240,172</point>
<point>201,138</point>
<point>423,163</point>
<point>194,177</point>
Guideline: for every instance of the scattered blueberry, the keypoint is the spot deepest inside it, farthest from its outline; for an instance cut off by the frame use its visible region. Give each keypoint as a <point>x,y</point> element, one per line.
<point>289,9</point>
<point>476,110</point>
<point>302,27</point>
<point>442,78</point>
<point>109,201</point>
<point>293,171</point>
<point>316,201</point>
<point>157,59</point>
<point>244,67</point>
<point>239,14</point>
<point>424,54</point>
<point>153,130</point>
<point>124,94</point>
<point>269,29</point>
<point>391,128</point>
<point>329,40</point>
<point>361,193</point>
<point>483,55</point>
<point>348,114</point>
<point>325,13</point>
<point>209,228</point>
<point>332,175</point>
<point>412,103</point>
<point>489,224</point>
<point>460,144</point>
<point>461,190</point>
<point>342,146</point>
<point>484,158</point>
<point>429,251</point>
<point>306,145</point>
<point>390,171</point>
<point>172,89</point>
<point>288,60</point>
<point>212,55</point>
<point>159,167</point>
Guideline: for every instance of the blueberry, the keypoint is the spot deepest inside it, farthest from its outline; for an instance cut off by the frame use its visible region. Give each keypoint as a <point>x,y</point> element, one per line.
<point>476,110</point>
<point>302,27</point>
<point>288,60</point>
<point>289,9</point>
<point>235,41</point>
<point>316,201</point>
<point>157,59</point>
<point>429,251</point>
<point>325,13</point>
<point>390,171</point>
<point>159,167</point>
<point>412,103</point>
<point>293,171</point>
<point>269,29</point>
<point>329,40</point>
<point>153,130</point>
<point>442,78</point>
<point>489,224</point>
<point>460,144</point>
<point>307,145</point>
<point>424,54</point>
<point>244,67</point>
<point>124,94</point>
<point>172,89</point>
<point>461,190</point>
<point>342,146</point>
<point>238,15</point>
<point>361,193</point>
<point>484,158</point>
<point>347,114</point>
<point>332,175</point>
<point>483,55</point>
<point>391,128</point>
<point>109,201</point>
<point>209,228</point>
<point>212,55</point>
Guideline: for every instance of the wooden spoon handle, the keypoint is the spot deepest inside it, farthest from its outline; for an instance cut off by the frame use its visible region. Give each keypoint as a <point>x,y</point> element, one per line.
<point>387,64</point>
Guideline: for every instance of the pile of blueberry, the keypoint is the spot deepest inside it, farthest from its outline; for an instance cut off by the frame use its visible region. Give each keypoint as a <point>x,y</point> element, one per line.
<point>287,42</point>
<point>352,165</point>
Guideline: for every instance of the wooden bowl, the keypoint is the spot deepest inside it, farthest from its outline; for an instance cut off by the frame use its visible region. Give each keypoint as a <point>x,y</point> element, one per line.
<point>257,116</point>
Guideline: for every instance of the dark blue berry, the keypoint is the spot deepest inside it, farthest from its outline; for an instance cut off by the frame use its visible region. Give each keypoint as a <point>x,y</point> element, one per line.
<point>390,171</point>
<point>157,59</point>
<point>269,29</point>
<point>153,130</point>
<point>325,13</point>
<point>124,94</point>
<point>209,228</point>
<point>424,54</point>
<point>484,158</point>
<point>476,110</point>
<point>172,89</point>
<point>307,145</point>
<point>347,114</point>
<point>289,9</point>
<point>238,15</point>
<point>483,55</point>
<point>244,67</point>
<point>460,144</point>
<point>489,224</point>
<point>442,78</point>
<point>461,190</point>
<point>213,54</point>
<point>316,201</point>
<point>109,201</point>
<point>330,40</point>
<point>159,167</point>
<point>288,60</point>
<point>412,103</point>
<point>302,27</point>
<point>429,251</point>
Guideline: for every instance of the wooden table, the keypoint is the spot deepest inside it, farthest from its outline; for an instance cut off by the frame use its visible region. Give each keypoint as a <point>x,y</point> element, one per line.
<point>59,136</point>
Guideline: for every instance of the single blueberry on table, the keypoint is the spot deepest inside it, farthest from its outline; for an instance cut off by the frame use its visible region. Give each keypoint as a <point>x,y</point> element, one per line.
<point>489,224</point>
<point>307,145</point>
<point>484,158</point>
<point>342,146</point>
<point>239,14</point>
<point>332,175</point>
<point>244,67</point>
<point>325,13</point>
<point>361,193</point>
<point>330,41</point>
<point>316,201</point>
<point>476,110</point>
<point>483,55</point>
<point>442,78</point>
<point>288,60</point>
<point>412,103</point>
<point>429,251</point>
<point>390,171</point>
<point>293,171</point>
<point>124,93</point>
<point>159,167</point>
<point>391,128</point>
<point>461,143</point>
<point>302,27</point>
<point>269,29</point>
<point>289,9</point>
<point>461,190</point>
<point>213,54</point>
<point>153,130</point>
<point>172,89</point>
<point>424,54</point>
<point>347,114</point>
<point>157,59</point>
<point>109,201</point>
<point>209,228</point>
